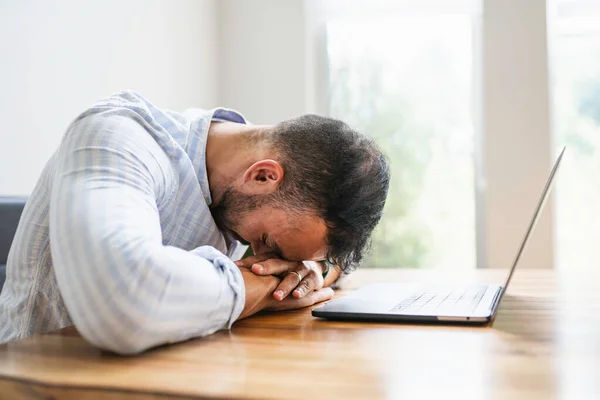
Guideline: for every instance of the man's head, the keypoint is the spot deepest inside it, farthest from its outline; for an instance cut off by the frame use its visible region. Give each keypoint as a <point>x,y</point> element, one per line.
<point>318,195</point>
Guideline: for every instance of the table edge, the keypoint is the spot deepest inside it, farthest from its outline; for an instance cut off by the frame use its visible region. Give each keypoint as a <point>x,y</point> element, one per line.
<point>104,389</point>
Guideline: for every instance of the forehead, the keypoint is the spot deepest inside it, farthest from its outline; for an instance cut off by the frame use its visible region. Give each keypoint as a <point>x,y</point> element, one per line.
<point>299,238</point>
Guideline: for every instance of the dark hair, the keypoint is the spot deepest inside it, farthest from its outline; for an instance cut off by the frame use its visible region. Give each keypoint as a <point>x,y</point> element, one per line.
<point>337,172</point>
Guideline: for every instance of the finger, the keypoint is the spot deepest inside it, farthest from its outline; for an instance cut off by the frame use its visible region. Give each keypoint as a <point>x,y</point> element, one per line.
<point>313,297</point>
<point>311,282</point>
<point>290,281</point>
<point>274,266</point>
<point>248,261</point>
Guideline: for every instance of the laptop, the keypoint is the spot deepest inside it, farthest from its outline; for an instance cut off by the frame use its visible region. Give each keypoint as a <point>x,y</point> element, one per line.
<point>401,302</point>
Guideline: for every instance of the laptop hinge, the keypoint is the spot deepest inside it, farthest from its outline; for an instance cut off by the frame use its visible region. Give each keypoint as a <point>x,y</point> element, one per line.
<point>495,302</point>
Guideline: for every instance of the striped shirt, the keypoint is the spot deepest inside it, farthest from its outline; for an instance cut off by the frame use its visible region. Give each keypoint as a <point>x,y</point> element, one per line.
<point>117,236</point>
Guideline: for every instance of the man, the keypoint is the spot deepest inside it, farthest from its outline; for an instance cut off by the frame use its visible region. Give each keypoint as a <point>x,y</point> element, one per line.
<point>131,230</point>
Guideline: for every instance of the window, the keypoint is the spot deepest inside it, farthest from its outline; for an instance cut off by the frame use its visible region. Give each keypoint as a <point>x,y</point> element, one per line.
<point>407,80</point>
<point>575,65</point>
<point>457,93</point>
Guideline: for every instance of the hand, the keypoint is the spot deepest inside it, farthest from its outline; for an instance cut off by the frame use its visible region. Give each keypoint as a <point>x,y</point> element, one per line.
<point>259,291</point>
<point>301,277</point>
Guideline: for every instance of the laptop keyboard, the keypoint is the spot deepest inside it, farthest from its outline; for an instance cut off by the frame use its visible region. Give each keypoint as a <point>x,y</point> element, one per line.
<point>462,300</point>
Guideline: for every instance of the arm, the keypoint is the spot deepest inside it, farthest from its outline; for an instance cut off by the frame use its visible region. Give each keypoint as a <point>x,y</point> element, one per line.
<point>124,290</point>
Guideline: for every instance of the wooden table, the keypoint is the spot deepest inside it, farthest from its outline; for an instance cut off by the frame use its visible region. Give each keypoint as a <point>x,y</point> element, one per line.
<point>544,344</point>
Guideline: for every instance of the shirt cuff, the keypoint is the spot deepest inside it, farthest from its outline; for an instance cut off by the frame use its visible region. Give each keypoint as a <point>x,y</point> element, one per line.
<point>233,282</point>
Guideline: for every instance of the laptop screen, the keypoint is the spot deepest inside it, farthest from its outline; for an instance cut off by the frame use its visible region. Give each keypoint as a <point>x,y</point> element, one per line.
<point>536,214</point>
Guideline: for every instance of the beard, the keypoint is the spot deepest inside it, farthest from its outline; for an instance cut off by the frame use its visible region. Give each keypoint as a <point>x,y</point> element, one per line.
<point>233,206</point>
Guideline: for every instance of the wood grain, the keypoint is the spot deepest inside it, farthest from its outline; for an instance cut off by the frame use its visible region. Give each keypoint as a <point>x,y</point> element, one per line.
<point>544,344</point>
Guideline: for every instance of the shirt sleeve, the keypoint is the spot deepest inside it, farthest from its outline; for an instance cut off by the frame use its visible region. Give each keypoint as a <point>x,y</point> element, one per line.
<point>125,291</point>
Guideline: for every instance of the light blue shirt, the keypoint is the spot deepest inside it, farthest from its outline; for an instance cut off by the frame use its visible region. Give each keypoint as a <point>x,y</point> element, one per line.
<point>117,236</point>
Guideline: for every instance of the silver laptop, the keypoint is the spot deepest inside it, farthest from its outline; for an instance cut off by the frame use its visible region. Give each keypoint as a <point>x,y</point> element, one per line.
<point>471,304</point>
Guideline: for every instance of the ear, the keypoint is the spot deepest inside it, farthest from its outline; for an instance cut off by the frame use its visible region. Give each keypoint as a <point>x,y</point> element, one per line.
<point>262,177</point>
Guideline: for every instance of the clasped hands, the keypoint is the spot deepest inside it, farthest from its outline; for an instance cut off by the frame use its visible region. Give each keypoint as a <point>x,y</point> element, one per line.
<point>276,284</point>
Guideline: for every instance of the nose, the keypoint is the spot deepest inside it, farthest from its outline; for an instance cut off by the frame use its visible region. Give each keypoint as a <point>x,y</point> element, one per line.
<point>258,247</point>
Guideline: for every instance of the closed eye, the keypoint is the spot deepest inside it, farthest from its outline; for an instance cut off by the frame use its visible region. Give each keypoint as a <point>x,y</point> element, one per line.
<point>273,246</point>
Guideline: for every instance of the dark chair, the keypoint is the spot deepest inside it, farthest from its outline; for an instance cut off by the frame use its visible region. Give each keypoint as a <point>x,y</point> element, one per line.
<point>11,209</point>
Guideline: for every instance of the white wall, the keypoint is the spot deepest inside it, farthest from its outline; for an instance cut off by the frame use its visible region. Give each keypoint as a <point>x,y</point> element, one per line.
<point>264,59</point>
<point>58,57</point>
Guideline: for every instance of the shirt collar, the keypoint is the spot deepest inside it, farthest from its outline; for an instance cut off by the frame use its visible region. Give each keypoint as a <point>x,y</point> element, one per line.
<point>196,146</point>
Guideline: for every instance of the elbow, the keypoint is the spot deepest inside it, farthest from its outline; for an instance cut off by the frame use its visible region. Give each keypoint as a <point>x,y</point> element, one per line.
<point>116,328</point>
<point>122,324</point>
<point>121,343</point>
<point>126,348</point>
